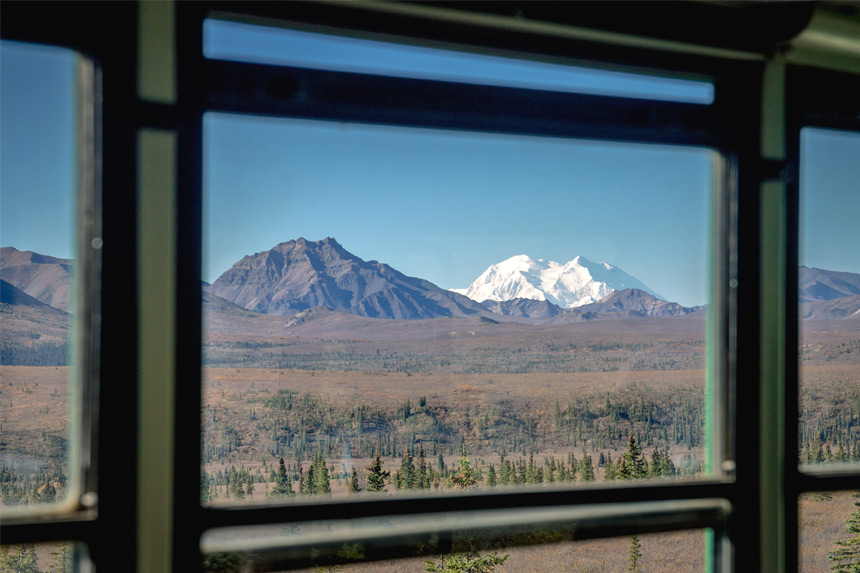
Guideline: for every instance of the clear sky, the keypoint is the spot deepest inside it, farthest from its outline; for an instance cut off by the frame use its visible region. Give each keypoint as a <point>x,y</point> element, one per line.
<point>446,205</point>
<point>830,199</point>
<point>37,161</point>
<point>435,204</point>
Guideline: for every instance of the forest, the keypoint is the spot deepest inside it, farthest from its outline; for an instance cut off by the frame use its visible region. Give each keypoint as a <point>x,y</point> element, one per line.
<point>293,418</point>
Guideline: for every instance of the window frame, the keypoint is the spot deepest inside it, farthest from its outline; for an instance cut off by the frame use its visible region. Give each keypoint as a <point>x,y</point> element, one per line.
<point>741,83</point>
<point>266,90</point>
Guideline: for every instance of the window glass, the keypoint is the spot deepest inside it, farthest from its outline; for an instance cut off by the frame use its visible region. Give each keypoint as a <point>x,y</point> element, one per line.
<point>33,558</point>
<point>479,311</point>
<point>247,43</point>
<point>829,295</point>
<point>829,531</point>
<point>37,182</point>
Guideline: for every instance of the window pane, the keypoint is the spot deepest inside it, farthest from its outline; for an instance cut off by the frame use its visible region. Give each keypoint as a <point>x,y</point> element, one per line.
<point>826,532</point>
<point>37,178</point>
<point>30,558</point>
<point>257,44</point>
<point>829,298</point>
<point>537,374</point>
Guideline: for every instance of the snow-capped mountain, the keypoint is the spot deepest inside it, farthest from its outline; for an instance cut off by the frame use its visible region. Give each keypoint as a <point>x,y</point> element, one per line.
<point>572,284</point>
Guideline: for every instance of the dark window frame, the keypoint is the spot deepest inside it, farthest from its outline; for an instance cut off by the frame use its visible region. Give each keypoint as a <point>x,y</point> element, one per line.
<point>730,126</point>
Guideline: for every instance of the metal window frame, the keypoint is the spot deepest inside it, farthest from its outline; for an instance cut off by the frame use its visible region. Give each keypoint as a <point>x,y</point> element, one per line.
<point>282,91</point>
<point>733,125</point>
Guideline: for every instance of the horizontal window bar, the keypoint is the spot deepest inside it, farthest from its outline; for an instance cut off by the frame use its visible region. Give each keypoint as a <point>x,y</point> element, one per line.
<point>341,96</point>
<point>75,527</point>
<point>213,517</point>
<point>376,539</point>
<point>278,46</point>
<point>828,478</point>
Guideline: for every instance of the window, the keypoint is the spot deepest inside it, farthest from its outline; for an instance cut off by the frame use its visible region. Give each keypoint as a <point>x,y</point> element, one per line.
<point>49,335</point>
<point>289,390</point>
<point>157,89</point>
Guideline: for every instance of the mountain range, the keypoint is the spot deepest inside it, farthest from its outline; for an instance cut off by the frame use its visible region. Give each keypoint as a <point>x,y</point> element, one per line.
<point>45,278</point>
<point>297,276</point>
<point>301,274</point>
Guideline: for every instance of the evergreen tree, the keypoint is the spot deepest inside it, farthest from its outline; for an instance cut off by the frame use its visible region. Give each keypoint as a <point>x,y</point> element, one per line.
<point>376,476</point>
<point>61,561</point>
<point>532,470</point>
<point>302,485</point>
<point>586,468</point>
<point>205,490</point>
<point>283,487</point>
<point>318,476</point>
<point>353,486</point>
<point>440,463</point>
<point>816,452</point>
<point>464,476</point>
<point>22,560</point>
<point>404,478</point>
<point>635,554</point>
<point>846,557</point>
<point>467,563</point>
<point>840,453</point>
<point>249,485</point>
<point>609,469</point>
<point>236,484</point>
<point>491,477</point>
<point>422,477</point>
<point>655,468</point>
<point>632,465</point>
<point>668,464</point>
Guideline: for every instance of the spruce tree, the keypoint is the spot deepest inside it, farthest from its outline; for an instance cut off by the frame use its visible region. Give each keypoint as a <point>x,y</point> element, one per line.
<point>302,488</point>
<point>23,560</point>
<point>668,464</point>
<point>205,489</point>
<point>816,452</point>
<point>632,464</point>
<point>404,478</point>
<point>846,557</point>
<point>610,470</point>
<point>635,554</point>
<point>353,486</point>
<point>283,487</point>
<point>467,563</point>
<point>422,478</point>
<point>321,484</point>
<point>61,561</point>
<point>586,468</point>
<point>464,477</point>
<point>532,472</point>
<point>376,476</point>
<point>840,453</point>
<point>491,477</point>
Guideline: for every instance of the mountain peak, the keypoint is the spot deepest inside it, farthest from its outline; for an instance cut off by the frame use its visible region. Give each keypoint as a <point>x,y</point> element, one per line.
<point>298,275</point>
<point>572,284</point>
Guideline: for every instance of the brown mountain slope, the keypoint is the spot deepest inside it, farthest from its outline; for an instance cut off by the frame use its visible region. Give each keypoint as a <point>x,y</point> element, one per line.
<point>47,279</point>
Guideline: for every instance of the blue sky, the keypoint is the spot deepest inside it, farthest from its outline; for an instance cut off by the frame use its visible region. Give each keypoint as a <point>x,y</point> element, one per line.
<point>830,199</point>
<point>446,205</point>
<point>436,204</point>
<point>37,162</point>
